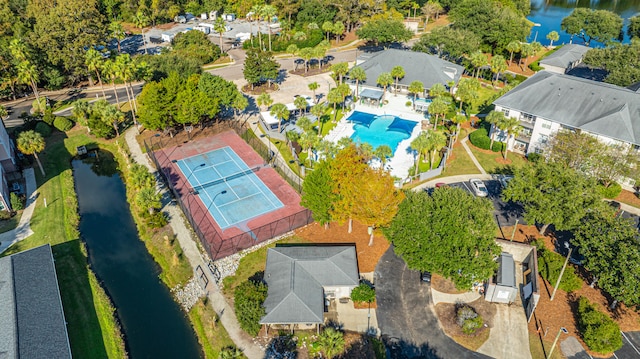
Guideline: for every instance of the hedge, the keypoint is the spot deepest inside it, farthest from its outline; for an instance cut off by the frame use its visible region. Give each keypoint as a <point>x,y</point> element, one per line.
<point>43,129</point>
<point>248,303</point>
<point>610,192</point>
<point>62,124</point>
<point>480,138</point>
<point>598,330</point>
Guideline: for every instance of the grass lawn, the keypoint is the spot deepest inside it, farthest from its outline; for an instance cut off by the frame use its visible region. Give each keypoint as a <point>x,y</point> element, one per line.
<point>8,224</point>
<point>483,95</point>
<point>537,352</point>
<point>251,264</point>
<point>493,162</point>
<point>93,330</point>
<point>211,334</point>
<point>460,163</point>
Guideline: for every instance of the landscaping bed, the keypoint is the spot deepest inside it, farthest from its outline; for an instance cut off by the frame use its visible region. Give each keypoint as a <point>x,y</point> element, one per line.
<point>446,313</point>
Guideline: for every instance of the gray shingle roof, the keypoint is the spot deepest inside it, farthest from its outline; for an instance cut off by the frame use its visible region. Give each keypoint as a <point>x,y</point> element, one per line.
<point>565,56</point>
<point>506,275</point>
<point>33,324</point>
<point>296,275</point>
<point>418,66</point>
<point>596,107</point>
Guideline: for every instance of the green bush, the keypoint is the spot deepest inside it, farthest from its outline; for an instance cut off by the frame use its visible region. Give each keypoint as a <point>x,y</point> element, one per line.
<point>480,138</point>
<point>155,220</point>
<point>363,293</point>
<point>48,117</point>
<point>4,215</point>
<point>62,124</point>
<point>610,192</point>
<point>248,304</point>
<point>534,157</point>
<point>468,319</point>
<point>550,264</point>
<point>535,66</point>
<point>598,330</point>
<point>43,129</point>
<point>100,129</point>
<point>16,202</point>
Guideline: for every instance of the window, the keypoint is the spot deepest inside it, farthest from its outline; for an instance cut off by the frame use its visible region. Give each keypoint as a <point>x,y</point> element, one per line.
<point>527,117</point>
<point>539,151</point>
<point>546,125</point>
<point>543,139</point>
<point>506,112</point>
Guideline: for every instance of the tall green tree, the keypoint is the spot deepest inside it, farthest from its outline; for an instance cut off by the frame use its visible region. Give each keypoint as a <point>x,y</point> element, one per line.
<point>358,74</point>
<point>438,107</point>
<point>512,127</point>
<point>593,25</point>
<point>634,27</point>
<point>495,118</point>
<point>334,97</point>
<point>553,36</point>
<point>397,72</point>
<point>338,30</point>
<point>384,31</point>
<point>435,141</point>
<point>383,152</point>
<point>448,43</point>
<point>268,12</point>
<point>467,91</point>
<point>220,27</point>
<point>93,59</point>
<point>449,232</point>
<point>281,112</point>
<point>339,70</point>
<point>498,64</point>
<point>347,166</point>
<point>552,194</point>
<point>513,46</point>
<point>317,194</point>
<point>622,62</point>
<point>526,50</point>
<point>420,144</point>
<point>264,100</point>
<point>327,27</point>
<point>478,59</point>
<point>384,79</point>
<point>141,20</point>
<point>116,31</point>
<point>31,143</point>
<point>416,88</point>
<point>313,86</point>
<point>148,199</point>
<point>251,69</point>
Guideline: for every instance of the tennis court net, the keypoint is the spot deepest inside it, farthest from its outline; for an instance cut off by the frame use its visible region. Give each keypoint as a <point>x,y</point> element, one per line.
<point>227,178</point>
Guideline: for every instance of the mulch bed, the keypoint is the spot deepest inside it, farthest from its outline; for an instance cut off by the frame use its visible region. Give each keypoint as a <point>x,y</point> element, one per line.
<point>368,256</point>
<point>312,71</point>
<point>446,313</point>
<point>444,285</point>
<point>260,89</point>
<point>356,345</point>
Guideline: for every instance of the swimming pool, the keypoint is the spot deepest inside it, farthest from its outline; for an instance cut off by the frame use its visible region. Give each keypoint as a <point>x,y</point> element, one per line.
<point>380,130</point>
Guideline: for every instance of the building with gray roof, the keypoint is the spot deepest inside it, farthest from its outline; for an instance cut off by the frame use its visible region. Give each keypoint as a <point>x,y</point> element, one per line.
<point>299,279</point>
<point>564,59</point>
<point>548,102</point>
<point>502,287</point>
<point>418,66</point>
<point>33,324</point>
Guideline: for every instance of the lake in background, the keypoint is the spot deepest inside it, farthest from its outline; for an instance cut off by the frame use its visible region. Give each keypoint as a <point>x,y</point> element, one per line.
<point>549,15</point>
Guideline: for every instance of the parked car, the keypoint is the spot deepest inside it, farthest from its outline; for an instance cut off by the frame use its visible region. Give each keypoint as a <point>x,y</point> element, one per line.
<point>425,277</point>
<point>478,187</point>
<point>504,180</point>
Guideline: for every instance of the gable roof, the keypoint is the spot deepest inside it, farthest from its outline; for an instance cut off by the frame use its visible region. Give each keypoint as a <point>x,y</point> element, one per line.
<point>296,275</point>
<point>33,324</point>
<point>597,107</point>
<point>565,56</point>
<point>506,275</point>
<point>418,66</point>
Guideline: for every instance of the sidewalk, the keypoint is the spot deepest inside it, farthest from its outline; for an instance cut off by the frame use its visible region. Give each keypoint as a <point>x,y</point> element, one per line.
<point>190,249</point>
<point>440,297</point>
<point>23,230</point>
<point>473,158</point>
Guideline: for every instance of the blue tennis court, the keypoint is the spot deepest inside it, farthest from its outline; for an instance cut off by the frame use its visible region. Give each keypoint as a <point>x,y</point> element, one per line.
<point>231,191</point>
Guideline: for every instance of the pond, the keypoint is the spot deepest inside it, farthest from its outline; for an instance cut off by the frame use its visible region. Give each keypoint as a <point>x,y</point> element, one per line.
<point>153,323</point>
<point>549,14</point>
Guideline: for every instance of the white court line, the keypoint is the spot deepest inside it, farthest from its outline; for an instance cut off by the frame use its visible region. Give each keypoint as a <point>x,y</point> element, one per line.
<point>630,343</point>
<point>253,216</point>
<point>260,189</point>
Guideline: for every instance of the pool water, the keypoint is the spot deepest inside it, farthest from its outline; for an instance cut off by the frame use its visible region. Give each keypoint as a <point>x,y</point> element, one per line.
<point>380,130</point>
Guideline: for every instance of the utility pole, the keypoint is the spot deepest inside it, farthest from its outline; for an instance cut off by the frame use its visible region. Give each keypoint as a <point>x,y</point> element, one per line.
<point>562,330</point>
<point>566,261</point>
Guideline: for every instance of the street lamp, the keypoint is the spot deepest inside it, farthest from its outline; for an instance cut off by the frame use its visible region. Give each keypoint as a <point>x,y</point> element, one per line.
<point>566,245</point>
<point>562,330</point>
<point>536,25</point>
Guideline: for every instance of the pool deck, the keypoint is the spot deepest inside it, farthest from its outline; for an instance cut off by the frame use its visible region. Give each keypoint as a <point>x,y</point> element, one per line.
<point>403,158</point>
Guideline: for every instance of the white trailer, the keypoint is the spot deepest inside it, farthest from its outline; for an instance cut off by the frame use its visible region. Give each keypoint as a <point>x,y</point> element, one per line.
<point>204,29</point>
<point>166,37</point>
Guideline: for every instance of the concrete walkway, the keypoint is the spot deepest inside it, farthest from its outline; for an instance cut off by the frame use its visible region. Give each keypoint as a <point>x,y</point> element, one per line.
<point>23,230</point>
<point>509,336</point>
<point>440,297</point>
<point>473,158</point>
<point>190,249</point>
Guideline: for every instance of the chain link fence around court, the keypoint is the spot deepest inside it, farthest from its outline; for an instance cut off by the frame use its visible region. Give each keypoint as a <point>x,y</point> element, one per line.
<point>216,245</point>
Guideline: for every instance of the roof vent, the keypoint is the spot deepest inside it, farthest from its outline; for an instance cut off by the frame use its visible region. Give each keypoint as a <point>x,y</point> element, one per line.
<point>601,100</point>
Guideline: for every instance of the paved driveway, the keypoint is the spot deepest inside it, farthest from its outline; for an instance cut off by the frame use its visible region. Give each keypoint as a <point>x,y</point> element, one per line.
<point>406,320</point>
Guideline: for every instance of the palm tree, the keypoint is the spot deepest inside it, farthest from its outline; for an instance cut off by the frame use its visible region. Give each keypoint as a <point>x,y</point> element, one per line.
<point>338,29</point>
<point>430,9</point>
<point>383,152</point>
<point>331,342</point>
<point>31,143</point>
<point>385,79</point>
<point>113,117</point>
<point>219,27</point>
<point>117,32</point>
<point>28,74</point>
<point>357,73</point>
<point>339,70</point>
<point>319,52</point>
<point>300,103</point>
<point>230,353</point>
<point>269,11</point>
<point>416,88</point>
<point>313,87</point>
<point>512,127</point>
<point>435,141</point>
<point>240,103</point>
<point>281,112</point>
<point>438,107</point>
<point>141,20</point>
<point>257,14</point>
<point>125,71</point>
<point>110,70</point>
<point>80,111</point>
<point>459,119</point>
<point>345,142</point>
<point>397,72</point>
<point>308,140</point>
<point>437,89</point>
<point>305,124</point>
<point>467,91</point>
<point>148,199</point>
<point>264,100</point>
<point>498,65</point>
<point>334,97</point>
<point>553,36</point>
<point>307,54</point>
<point>494,118</point>
<point>478,59</point>
<point>93,59</point>
<point>293,50</point>
<point>513,46</point>
<point>366,151</point>
<point>420,144</point>
<point>526,50</point>
<point>319,111</point>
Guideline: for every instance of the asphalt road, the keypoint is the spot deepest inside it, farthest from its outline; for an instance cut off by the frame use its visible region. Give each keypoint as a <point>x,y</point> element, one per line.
<point>408,325</point>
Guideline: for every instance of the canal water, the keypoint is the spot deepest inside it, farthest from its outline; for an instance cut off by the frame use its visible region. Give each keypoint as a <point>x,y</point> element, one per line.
<point>549,14</point>
<point>153,323</point>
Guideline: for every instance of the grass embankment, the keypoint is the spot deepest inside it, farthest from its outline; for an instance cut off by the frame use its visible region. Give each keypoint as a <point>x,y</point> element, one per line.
<point>9,224</point>
<point>493,162</point>
<point>92,327</point>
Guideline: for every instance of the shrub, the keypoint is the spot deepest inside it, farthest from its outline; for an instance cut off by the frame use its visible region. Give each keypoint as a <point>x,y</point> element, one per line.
<point>100,129</point>
<point>62,124</point>
<point>43,129</point>
<point>468,319</point>
<point>534,157</point>
<point>155,220</point>
<point>248,300</point>
<point>48,117</point>
<point>4,215</point>
<point>363,293</point>
<point>480,138</point>
<point>408,103</point>
<point>550,265</point>
<point>16,202</point>
<point>610,192</point>
<point>599,332</point>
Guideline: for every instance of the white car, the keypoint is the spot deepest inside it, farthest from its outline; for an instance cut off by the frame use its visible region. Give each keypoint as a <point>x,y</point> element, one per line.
<point>478,187</point>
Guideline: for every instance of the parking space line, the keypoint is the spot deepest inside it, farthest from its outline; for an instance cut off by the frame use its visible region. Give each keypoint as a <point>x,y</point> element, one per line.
<point>630,343</point>
<point>467,187</point>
